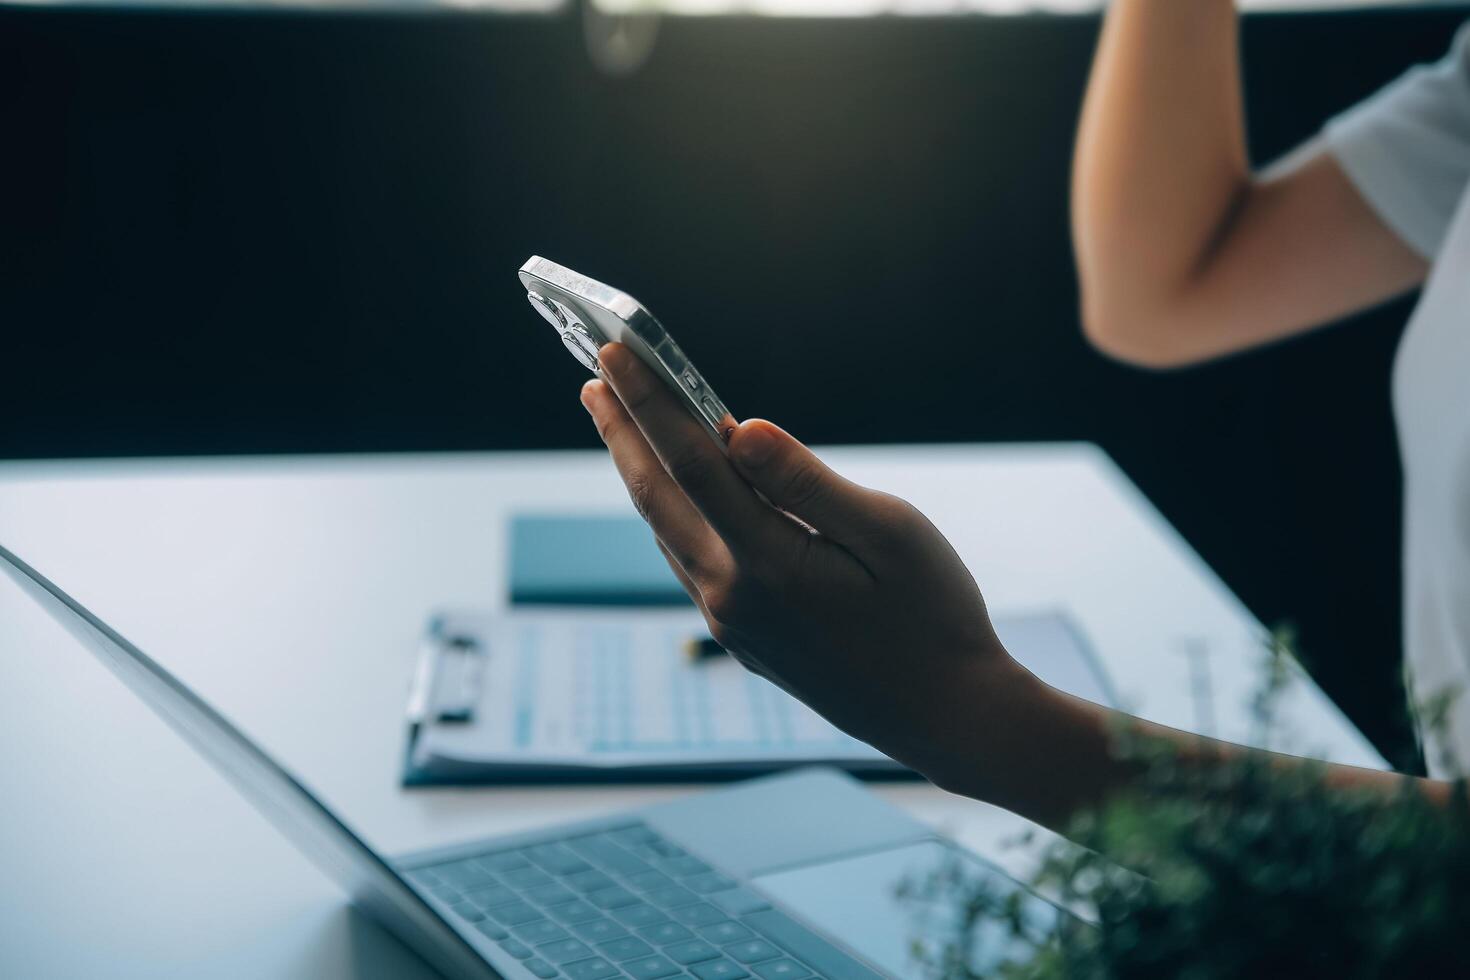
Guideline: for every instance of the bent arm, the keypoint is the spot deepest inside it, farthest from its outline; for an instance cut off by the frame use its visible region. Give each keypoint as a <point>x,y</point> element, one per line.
<point>1183,253</point>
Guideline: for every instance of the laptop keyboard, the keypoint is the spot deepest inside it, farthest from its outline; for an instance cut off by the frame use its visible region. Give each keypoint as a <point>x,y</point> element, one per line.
<point>626,903</point>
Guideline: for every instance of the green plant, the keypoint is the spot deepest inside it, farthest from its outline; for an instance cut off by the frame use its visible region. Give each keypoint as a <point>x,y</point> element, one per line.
<point>1238,868</point>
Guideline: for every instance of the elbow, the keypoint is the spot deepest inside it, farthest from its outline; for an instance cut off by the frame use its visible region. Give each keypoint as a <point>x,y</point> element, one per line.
<point>1134,335</point>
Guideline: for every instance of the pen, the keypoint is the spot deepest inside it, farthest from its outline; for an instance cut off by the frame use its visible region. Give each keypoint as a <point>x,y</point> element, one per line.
<point>702,648</point>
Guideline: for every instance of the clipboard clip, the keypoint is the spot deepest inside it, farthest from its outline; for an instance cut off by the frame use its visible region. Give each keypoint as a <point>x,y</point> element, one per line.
<point>447,678</point>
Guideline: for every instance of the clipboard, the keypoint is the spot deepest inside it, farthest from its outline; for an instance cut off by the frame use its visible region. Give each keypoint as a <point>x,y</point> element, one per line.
<point>599,696</point>
<point>592,696</point>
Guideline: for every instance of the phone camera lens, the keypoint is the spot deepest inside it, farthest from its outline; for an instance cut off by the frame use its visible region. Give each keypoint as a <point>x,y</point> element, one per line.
<point>547,310</point>
<point>583,347</point>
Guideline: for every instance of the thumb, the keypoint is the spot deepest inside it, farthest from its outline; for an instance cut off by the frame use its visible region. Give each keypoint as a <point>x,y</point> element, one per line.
<point>795,480</point>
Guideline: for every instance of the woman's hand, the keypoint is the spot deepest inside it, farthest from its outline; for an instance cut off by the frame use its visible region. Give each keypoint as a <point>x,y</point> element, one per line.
<point>847,598</point>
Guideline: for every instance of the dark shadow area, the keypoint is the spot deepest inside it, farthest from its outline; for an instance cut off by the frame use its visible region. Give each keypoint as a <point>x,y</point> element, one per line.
<point>267,232</point>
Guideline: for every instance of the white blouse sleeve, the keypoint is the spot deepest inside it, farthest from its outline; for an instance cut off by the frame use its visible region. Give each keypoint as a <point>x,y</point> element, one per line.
<point>1407,149</point>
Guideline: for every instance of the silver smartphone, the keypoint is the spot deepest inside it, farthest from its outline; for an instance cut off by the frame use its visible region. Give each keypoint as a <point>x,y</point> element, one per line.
<point>587,314</point>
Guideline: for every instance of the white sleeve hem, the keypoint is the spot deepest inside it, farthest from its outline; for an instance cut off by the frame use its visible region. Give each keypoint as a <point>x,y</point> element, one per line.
<point>1407,149</point>
<point>1385,185</point>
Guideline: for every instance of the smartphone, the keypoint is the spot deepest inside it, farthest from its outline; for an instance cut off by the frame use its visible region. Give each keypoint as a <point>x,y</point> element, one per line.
<point>587,314</point>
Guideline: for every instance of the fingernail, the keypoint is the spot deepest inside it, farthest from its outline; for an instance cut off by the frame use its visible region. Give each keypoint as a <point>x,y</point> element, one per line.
<point>586,395</point>
<point>756,446</point>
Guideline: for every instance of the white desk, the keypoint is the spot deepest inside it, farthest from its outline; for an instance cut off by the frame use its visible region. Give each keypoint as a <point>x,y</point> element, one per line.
<point>290,592</point>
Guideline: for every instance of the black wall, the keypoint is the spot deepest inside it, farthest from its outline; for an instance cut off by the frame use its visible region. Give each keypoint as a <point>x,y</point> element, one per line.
<point>230,233</point>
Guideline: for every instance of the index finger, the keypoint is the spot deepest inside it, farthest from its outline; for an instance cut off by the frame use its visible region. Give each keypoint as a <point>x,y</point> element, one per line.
<point>684,535</point>
<point>750,527</point>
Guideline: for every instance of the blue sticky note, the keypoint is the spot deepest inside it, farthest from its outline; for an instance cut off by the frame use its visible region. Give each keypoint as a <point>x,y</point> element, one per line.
<point>590,560</point>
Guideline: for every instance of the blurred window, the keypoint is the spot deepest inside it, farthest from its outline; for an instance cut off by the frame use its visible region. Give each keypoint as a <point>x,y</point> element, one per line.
<point>861,8</point>
<point>789,8</point>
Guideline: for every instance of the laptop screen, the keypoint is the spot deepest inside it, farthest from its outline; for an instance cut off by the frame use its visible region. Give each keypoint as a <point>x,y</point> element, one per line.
<point>289,805</point>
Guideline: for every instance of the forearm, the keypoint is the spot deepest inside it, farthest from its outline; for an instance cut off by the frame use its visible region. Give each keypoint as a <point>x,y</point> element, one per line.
<point>1049,756</point>
<point>1161,157</point>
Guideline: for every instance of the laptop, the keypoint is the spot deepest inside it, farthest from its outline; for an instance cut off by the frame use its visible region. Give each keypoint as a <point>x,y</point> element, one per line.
<point>786,877</point>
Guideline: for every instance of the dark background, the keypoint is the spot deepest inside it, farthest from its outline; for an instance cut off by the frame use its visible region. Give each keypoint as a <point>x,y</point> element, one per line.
<point>275,232</point>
